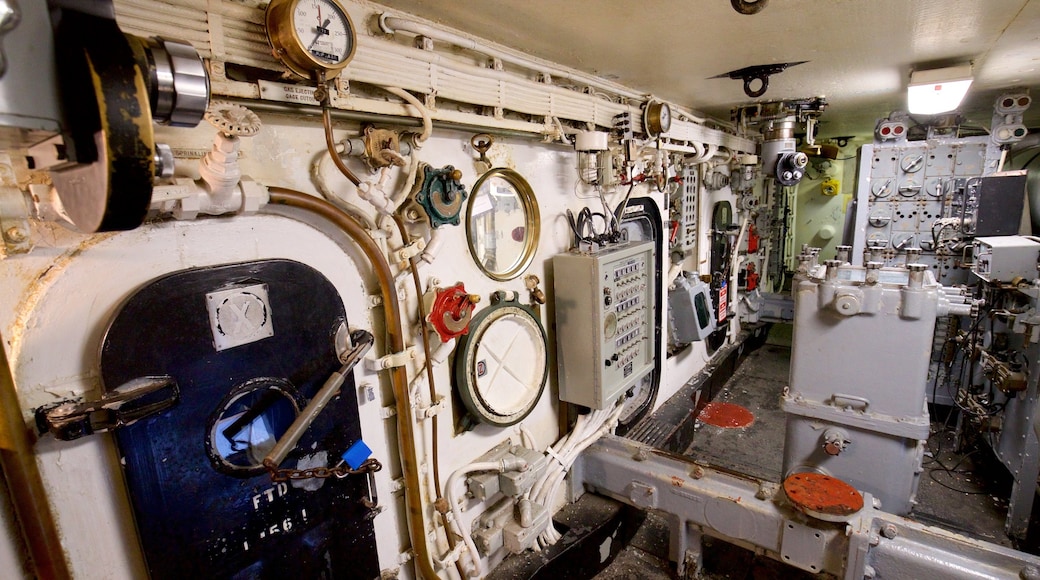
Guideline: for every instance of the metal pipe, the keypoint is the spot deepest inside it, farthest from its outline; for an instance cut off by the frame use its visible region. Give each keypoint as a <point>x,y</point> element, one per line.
<point>398,375</point>
<point>22,476</point>
<point>358,116</point>
<point>362,341</point>
<point>330,141</point>
<point>392,24</point>
<point>750,512</point>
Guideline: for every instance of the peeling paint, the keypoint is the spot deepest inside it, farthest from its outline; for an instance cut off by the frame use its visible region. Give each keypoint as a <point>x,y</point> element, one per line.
<point>36,287</point>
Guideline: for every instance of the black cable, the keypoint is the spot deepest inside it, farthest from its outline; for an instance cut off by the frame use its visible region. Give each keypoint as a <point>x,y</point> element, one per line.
<point>1031,160</point>
<point>931,474</point>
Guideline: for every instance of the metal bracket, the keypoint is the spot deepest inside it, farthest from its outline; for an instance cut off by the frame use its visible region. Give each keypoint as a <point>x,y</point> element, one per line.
<point>803,546</point>
<point>422,413</point>
<point>390,361</point>
<point>127,404</point>
<point>413,249</point>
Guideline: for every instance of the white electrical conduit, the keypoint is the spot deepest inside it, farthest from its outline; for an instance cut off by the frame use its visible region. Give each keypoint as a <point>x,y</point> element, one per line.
<point>515,464</point>
<point>318,174</point>
<point>406,187</point>
<point>392,24</point>
<point>559,452</point>
<point>708,152</point>
<point>460,80</point>
<point>736,249</point>
<point>527,439</point>
<point>673,274</point>
<point>603,425</point>
<point>427,122</point>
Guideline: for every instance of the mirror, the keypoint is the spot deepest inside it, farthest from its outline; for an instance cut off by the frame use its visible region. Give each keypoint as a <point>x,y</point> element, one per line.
<point>502,224</point>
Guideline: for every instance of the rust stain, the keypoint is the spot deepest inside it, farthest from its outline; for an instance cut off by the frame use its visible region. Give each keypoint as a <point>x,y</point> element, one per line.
<point>37,287</point>
<point>677,481</point>
<point>726,415</point>
<point>823,494</point>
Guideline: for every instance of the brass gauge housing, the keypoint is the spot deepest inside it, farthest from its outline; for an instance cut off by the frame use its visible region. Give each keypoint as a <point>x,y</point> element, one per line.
<point>657,118</point>
<point>311,36</point>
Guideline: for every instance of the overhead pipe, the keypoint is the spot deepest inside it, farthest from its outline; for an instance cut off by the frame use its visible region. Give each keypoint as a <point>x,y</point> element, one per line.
<point>392,24</point>
<point>398,375</point>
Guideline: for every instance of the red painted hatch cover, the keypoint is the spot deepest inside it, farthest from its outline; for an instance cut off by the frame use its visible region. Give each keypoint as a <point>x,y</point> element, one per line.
<point>822,496</point>
<point>726,415</point>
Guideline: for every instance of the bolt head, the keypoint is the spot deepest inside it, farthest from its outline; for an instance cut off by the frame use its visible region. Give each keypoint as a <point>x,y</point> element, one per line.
<point>15,235</point>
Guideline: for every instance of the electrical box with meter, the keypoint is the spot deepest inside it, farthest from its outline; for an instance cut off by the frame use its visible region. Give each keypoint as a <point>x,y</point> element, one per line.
<point>604,321</point>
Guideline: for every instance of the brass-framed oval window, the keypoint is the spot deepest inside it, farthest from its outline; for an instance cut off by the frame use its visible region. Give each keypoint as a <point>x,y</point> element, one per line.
<point>502,224</point>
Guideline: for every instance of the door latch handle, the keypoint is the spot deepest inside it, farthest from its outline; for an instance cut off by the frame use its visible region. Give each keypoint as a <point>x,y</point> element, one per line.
<point>128,403</point>
<point>361,341</point>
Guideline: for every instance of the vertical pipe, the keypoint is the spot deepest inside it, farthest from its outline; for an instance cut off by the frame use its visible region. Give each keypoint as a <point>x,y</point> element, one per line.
<point>398,375</point>
<point>25,484</point>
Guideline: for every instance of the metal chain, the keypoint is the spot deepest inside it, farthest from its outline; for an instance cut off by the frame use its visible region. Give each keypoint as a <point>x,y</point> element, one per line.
<point>339,471</point>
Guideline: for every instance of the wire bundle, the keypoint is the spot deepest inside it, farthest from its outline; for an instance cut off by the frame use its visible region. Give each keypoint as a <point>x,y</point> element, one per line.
<point>587,430</point>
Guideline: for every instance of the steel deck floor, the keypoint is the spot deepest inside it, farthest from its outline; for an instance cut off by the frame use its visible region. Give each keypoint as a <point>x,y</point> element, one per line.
<point>957,490</point>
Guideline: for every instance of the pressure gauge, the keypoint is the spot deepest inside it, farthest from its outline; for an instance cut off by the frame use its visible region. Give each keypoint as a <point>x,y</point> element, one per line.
<point>657,118</point>
<point>311,36</point>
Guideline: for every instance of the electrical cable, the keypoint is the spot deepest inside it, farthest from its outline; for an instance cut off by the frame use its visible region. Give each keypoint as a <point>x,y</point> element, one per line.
<point>423,112</point>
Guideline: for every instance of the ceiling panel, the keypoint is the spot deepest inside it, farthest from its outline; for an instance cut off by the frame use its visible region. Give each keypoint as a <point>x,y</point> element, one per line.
<point>860,52</point>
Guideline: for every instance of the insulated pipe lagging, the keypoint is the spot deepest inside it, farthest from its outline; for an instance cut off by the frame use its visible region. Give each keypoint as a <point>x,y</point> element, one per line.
<point>398,375</point>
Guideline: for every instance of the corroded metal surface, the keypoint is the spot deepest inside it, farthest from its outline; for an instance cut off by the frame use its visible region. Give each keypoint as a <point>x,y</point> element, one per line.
<point>726,415</point>
<point>815,493</point>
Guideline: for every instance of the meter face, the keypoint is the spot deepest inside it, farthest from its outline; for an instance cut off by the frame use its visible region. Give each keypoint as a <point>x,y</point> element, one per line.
<point>323,29</point>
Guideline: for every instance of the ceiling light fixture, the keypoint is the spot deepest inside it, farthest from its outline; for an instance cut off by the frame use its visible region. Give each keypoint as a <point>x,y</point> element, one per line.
<point>938,90</point>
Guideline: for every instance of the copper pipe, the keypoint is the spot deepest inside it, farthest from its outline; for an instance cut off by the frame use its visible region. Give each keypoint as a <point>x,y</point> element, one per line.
<point>331,142</point>
<point>435,460</point>
<point>398,375</point>
<point>22,476</point>
<point>426,351</point>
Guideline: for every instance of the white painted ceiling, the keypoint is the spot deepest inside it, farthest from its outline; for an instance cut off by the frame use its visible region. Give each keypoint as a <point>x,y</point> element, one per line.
<point>860,52</point>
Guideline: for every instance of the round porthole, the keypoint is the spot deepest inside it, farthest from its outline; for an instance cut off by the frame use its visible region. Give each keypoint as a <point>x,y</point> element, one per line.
<point>502,224</point>
<point>502,364</point>
<point>248,423</point>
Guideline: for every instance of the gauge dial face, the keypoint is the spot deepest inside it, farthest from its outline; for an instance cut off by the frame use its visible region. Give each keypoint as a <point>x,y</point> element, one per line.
<point>311,36</point>
<point>666,117</point>
<point>322,27</point>
<point>657,118</point>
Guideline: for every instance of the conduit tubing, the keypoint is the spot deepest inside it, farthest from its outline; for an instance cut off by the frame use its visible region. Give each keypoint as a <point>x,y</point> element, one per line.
<point>398,375</point>
<point>392,24</point>
<point>23,480</point>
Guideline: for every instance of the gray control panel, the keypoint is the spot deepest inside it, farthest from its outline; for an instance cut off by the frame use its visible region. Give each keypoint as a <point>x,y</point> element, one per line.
<point>604,315</point>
